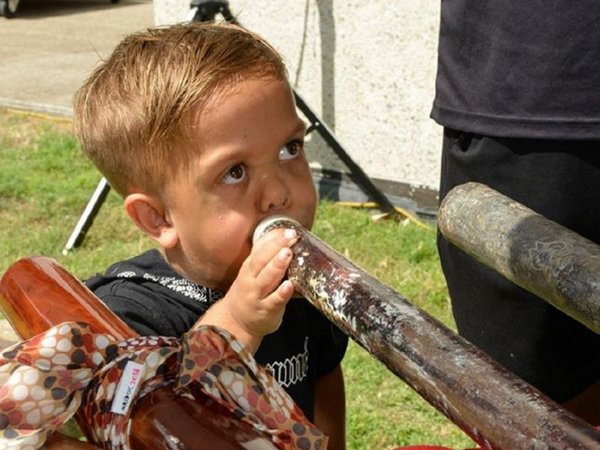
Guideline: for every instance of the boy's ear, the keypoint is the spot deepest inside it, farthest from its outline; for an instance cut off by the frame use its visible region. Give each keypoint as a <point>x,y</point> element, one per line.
<point>151,216</point>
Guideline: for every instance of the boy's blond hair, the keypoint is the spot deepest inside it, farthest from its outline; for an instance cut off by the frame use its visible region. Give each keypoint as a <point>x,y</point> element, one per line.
<point>134,113</point>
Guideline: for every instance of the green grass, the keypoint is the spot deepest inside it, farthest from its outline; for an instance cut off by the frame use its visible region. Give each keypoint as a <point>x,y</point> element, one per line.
<point>45,184</point>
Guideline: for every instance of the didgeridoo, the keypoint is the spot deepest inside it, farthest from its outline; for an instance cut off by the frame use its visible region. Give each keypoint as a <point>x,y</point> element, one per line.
<point>37,293</point>
<point>543,257</point>
<point>493,406</point>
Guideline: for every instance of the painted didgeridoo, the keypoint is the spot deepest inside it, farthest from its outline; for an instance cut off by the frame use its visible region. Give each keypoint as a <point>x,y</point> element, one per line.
<point>493,406</point>
<point>37,293</point>
<point>543,257</point>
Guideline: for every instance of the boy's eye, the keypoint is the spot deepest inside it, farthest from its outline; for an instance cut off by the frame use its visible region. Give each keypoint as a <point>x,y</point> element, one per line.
<point>291,150</point>
<point>235,175</point>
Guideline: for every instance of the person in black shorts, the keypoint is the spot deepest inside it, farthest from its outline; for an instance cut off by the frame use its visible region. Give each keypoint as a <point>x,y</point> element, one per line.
<point>195,126</point>
<point>518,95</point>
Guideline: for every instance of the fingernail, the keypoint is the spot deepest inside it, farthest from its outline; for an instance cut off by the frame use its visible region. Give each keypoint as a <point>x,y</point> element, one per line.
<point>288,287</point>
<point>290,233</point>
<point>284,254</point>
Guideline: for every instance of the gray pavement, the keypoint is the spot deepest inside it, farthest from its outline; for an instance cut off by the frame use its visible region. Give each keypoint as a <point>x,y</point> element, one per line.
<point>50,47</point>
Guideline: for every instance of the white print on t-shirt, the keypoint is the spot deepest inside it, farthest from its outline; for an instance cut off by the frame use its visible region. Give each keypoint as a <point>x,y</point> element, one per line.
<point>181,286</point>
<point>291,370</point>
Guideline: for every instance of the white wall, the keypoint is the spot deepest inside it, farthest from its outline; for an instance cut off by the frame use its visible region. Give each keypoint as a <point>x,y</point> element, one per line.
<point>366,67</point>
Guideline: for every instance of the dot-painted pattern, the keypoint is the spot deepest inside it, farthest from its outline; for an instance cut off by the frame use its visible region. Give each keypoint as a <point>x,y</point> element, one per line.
<point>46,379</point>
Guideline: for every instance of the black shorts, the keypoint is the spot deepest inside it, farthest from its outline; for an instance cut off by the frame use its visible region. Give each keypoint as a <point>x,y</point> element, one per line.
<point>533,339</point>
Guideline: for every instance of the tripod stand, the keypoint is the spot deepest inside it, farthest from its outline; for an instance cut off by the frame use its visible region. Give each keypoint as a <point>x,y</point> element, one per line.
<point>205,11</point>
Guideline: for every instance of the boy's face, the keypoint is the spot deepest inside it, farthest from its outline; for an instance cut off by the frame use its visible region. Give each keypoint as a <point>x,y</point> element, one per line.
<point>250,164</point>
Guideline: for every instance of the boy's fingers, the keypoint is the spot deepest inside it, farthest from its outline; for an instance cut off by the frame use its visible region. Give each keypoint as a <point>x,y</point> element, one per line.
<point>268,246</point>
<point>280,296</point>
<point>272,273</point>
<point>287,289</point>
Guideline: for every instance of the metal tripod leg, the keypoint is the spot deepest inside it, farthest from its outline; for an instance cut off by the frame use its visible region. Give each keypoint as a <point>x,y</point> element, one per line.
<point>360,176</point>
<point>89,214</point>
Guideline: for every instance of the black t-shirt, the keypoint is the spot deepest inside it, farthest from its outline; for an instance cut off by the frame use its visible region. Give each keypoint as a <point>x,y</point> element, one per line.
<point>520,68</point>
<point>154,300</point>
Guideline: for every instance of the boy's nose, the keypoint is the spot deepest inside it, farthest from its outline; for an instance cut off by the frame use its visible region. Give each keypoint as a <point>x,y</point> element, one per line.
<point>275,194</point>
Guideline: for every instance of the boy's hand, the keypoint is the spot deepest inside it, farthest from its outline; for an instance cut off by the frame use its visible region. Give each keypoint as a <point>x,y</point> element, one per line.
<point>254,305</point>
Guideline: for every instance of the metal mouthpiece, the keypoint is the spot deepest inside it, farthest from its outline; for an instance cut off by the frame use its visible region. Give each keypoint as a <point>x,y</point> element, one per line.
<point>271,222</point>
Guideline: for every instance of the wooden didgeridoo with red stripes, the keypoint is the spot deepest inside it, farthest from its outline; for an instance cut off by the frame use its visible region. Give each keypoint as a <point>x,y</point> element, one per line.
<point>493,406</point>
<point>37,293</point>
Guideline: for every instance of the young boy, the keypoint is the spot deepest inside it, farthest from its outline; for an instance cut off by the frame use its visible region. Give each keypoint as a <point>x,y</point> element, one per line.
<point>195,126</point>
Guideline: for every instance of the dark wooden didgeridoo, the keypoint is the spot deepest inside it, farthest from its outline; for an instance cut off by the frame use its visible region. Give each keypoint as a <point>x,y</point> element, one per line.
<point>37,293</point>
<point>493,406</point>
